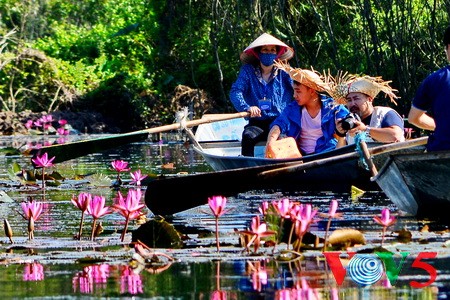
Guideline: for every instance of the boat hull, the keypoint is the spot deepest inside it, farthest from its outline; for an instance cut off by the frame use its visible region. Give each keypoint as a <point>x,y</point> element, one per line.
<point>227,157</point>
<point>418,184</point>
<point>167,195</point>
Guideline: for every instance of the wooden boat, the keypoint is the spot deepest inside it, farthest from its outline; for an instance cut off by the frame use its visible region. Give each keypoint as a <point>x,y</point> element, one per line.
<point>334,171</point>
<point>219,144</point>
<point>418,184</point>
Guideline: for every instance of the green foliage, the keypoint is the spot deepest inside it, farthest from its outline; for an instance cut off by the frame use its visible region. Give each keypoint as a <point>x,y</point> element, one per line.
<point>139,51</point>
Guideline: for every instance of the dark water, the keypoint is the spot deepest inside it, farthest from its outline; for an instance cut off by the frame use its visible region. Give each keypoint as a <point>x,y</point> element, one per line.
<point>54,265</point>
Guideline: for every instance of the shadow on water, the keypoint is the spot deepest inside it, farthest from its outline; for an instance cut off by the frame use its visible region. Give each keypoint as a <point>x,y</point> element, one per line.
<point>55,264</point>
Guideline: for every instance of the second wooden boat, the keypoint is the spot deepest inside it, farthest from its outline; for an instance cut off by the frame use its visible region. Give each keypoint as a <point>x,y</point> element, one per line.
<point>419,184</point>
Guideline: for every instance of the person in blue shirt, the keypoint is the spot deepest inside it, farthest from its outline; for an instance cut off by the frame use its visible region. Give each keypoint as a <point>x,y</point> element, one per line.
<point>261,88</point>
<point>311,118</point>
<point>430,108</point>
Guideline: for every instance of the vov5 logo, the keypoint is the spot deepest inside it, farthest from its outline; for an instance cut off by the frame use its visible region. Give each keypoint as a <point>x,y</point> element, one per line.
<point>367,269</point>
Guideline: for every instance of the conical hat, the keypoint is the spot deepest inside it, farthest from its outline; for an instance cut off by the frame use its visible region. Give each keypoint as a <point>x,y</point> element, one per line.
<point>249,55</point>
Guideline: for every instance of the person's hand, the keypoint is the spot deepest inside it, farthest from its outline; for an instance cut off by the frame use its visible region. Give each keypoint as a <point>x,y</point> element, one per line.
<point>339,130</point>
<point>360,126</point>
<point>254,111</point>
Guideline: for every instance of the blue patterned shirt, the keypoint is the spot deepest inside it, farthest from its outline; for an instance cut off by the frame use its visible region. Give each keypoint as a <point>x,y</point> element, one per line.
<point>290,122</point>
<point>249,88</point>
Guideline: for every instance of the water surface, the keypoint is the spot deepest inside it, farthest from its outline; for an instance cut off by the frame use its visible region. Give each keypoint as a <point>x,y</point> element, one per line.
<point>55,264</point>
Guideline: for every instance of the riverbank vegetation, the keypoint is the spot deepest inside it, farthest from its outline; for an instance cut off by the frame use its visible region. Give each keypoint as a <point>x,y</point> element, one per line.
<point>137,62</point>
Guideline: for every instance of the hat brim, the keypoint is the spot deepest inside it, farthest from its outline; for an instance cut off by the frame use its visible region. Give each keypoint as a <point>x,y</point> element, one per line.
<point>250,56</point>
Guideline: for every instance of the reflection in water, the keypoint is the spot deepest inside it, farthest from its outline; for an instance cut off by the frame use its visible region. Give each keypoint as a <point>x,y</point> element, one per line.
<point>250,278</point>
<point>94,278</point>
<point>258,274</point>
<point>91,279</point>
<point>301,291</point>
<point>130,282</point>
<point>33,272</point>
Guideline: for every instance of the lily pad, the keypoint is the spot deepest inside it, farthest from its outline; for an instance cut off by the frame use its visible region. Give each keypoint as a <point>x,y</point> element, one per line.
<point>158,233</point>
<point>9,151</point>
<point>5,198</point>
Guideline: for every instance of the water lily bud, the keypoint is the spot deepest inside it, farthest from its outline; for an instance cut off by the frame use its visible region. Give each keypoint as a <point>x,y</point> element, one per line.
<point>8,230</point>
<point>30,228</point>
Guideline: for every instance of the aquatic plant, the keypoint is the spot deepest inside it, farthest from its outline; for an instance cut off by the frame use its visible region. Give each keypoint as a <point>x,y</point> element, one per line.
<point>8,230</point>
<point>218,294</point>
<point>32,212</point>
<point>43,162</point>
<point>283,208</point>
<point>259,274</point>
<point>263,208</point>
<point>120,166</point>
<point>217,205</point>
<point>302,216</point>
<point>331,214</point>
<point>257,231</point>
<point>97,209</point>
<point>82,202</point>
<point>128,207</point>
<point>137,177</point>
<point>386,220</point>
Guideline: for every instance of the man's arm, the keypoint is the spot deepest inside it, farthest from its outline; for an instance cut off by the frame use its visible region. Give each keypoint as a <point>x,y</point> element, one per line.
<point>420,119</point>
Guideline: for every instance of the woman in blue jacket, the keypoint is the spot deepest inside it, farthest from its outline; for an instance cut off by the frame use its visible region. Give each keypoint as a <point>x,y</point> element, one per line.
<point>261,88</point>
<point>311,118</point>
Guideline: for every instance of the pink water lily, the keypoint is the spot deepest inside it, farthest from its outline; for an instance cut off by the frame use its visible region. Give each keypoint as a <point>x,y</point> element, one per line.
<point>62,131</point>
<point>43,162</point>
<point>82,202</point>
<point>29,124</point>
<point>97,209</point>
<point>302,216</point>
<point>386,220</point>
<point>257,232</point>
<point>333,208</point>
<point>137,177</point>
<point>129,207</point>
<point>217,205</point>
<point>283,207</point>
<point>120,166</point>
<point>32,211</point>
<point>263,208</point>
<point>332,213</point>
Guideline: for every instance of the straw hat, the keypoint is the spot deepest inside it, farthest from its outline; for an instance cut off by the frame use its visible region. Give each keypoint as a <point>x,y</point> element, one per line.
<point>368,85</point>
<point>249,55</point>
<point>310,78</point>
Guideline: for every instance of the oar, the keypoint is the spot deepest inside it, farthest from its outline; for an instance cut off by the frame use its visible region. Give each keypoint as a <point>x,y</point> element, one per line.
<point>67,151</point>
<point>385,148</point>
<point>168,195</point>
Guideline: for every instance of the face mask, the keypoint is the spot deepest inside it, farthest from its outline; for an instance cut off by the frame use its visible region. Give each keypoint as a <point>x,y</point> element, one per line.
<point>267,59</point>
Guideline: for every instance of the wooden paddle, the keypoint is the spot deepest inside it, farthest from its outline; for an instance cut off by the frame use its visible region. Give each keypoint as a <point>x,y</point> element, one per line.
<point>193,190</point>
<point>385,148</point>
<point>67,151</point>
